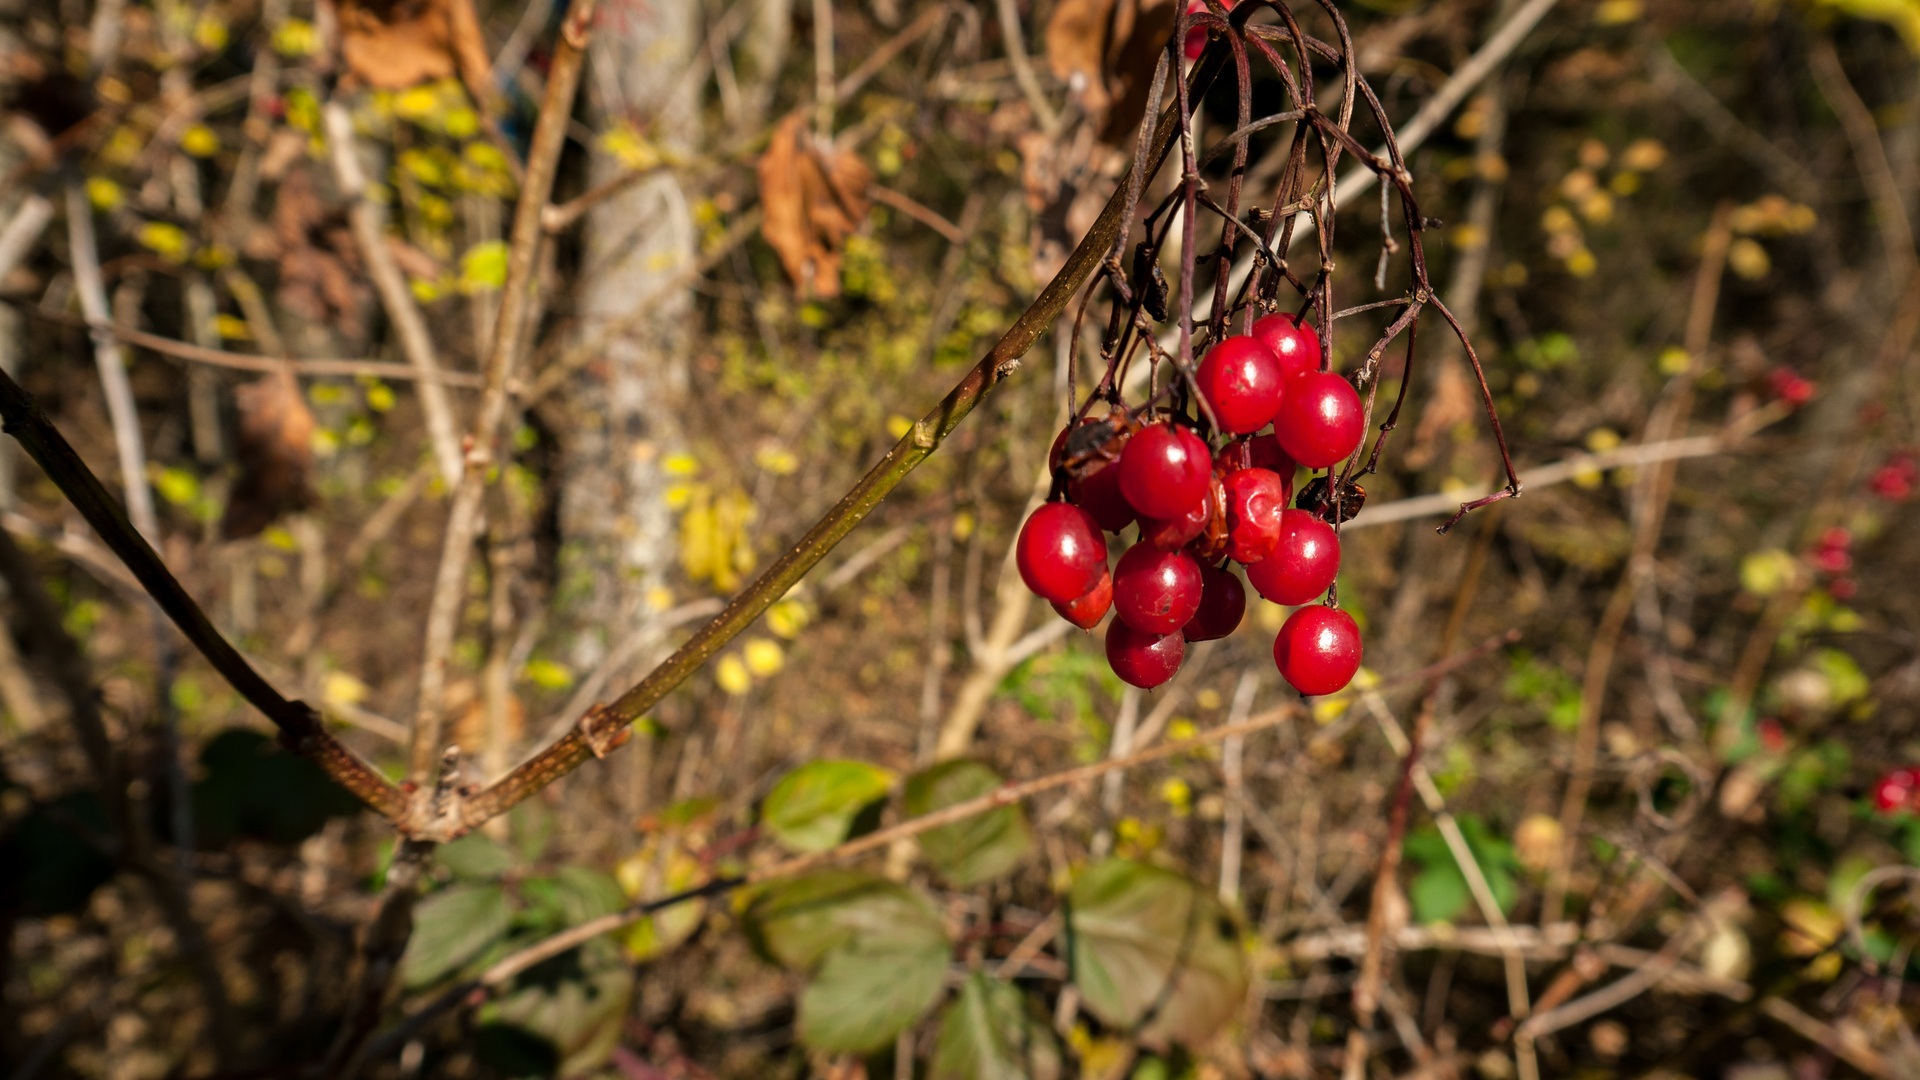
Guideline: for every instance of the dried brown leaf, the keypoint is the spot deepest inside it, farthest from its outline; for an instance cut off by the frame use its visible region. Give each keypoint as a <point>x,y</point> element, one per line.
<point>1076,39</point>
<point>320,278</point>
<point>812,200</point>
<point>275,450</point>
<point>393,44</point>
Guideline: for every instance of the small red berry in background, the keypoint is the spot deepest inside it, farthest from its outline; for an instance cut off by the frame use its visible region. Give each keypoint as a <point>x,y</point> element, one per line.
<point>1196,40</point>
<point>1086,611</point>
<point>1099,495</point>
<point>1223,603</point>
<point>1318,650</point>
<point>1142,659</point>
<point>1320,420</point>
<point>1155,592</point>
<point>1302,565</point>
<point>1894,481</point>
<point>1830,555</point>
<point>1773,735</point>
<point>1165,470</point>
<point>1240,380</point>
<point>1896,790</point>
<point>1296,347</point>
<point>1255,507</point>
<point>1842,588</point>
<point>1786,385</point>
<point>1061,553</point>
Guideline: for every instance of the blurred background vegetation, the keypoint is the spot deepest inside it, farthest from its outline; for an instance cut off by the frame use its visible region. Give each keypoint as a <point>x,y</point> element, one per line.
<point>1681,233</point>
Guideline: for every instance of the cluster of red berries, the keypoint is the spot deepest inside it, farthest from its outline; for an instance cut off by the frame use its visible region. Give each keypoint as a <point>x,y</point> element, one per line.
<point>1894,481</point>
<point>1896,790</point>
<point>1199,510</point>
<point>1832,556</point>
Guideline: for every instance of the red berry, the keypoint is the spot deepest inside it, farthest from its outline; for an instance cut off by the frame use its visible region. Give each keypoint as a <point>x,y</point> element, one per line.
<point>1832,560</point>
<point>1320,420</point>
<point>1836,537</point>
<point>1240,381</point>
<point>1297,347</point>
<point>1223,603</point>
<point>1100,496</point>
<point>1894,790</point>
<point>1086,612</point>
<point>1155,592</point>
<point>1264,452</point>
<point>1141,659</point>
<point>1788,386</point>
<point>1842,588</point>
<point>1318,649</point>
<point>1303,563</point>
<point>1773,735</point>
<point>1256,502</point>
<point>1174,533</point>
<point>1061,553</point>
<point>1165,470</point>
<point>1890,483</point>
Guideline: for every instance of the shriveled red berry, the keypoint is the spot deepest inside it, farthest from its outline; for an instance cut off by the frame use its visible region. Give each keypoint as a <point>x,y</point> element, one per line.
<point>1223,603</point>
<point>1303,563</point>
<point>1320,419</point>
<point>1256,504</point>
<point>1891,483</point>
<point>1895,790</point>
<point>1099,495</point>
<point>1086,612</point>
<point>1164,470</point>
<point>1142,659</point>
<point>1155,592</point>
<point>1174,533</point>
<point>1061,553</point>
<point>1789,387</point>
<point>1318,649</point>
<point>1296,347</point>
<point>1240,381</point>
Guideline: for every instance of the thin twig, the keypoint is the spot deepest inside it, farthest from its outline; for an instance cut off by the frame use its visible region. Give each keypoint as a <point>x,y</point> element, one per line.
<point>1044,114</point>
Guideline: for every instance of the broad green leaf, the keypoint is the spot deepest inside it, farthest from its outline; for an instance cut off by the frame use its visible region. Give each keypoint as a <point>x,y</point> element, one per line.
<point>450,928</point>
<point>990,1032</point>
<point>811,808</point>
<point>796,923</point>
<point>1153,950</point>
<point>562,1018</point>
<point>475,857</point>
<point>1438,894</point>
<point>869,991</point>
<point>981,847</point>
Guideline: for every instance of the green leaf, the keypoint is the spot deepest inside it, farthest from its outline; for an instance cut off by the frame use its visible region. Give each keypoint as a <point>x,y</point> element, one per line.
<point>981,847</point>
<point>811,808</point>
<point>451,927</point>
<point>990,1032</point>
<point>1439,893</point>
<point>880,949</point>
<point>563,1017</point>
<point>475,857</point>
<point>867,992</point>
<point>1152,948</point>
<point>796,923</point>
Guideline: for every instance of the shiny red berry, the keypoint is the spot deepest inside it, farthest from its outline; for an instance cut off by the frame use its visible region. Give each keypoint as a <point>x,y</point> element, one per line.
<point>1297,347</point>
<point>1890,482</point>
<point>1099,495</point>
<point>1174,533</point>
<point>1061,553</point>
<point>1303,563</point>
<point>1895,790</point>
<point>1788,387</point>
<point>1141,659</point>
<point>1320,419</point>
<point>1155,592</point>
<point>1240,381</point>
<point>1164,471</point>
<point>1318,649</point>
<point>1223,603</point>
<point>1086,612</point>
<point>1256,505</point>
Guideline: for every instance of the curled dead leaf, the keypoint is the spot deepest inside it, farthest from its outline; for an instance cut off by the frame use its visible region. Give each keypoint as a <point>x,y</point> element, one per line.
<point>1076,38</point>
<point>274,445</point>
<point>813,197</point>
<point>1105,51</point>
<point>394,44</point>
